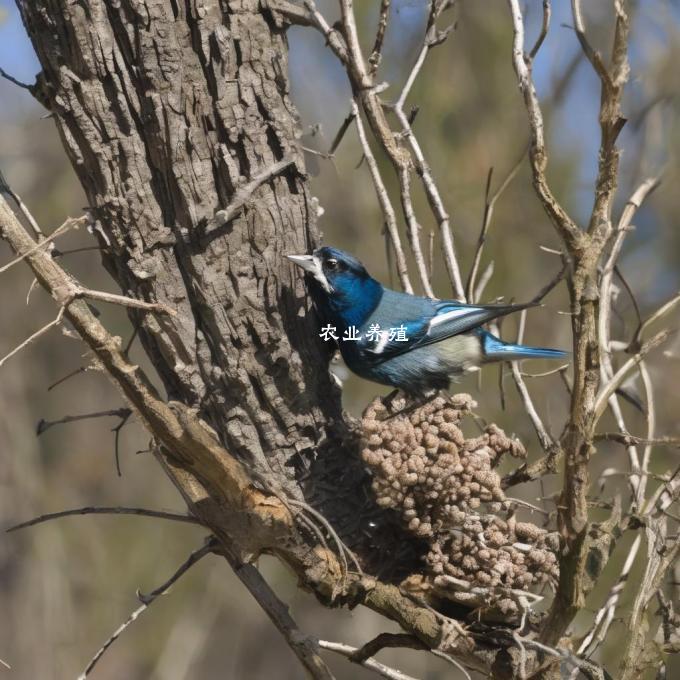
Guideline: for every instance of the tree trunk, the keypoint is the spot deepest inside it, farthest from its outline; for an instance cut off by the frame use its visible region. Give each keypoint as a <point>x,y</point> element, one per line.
<point>166,110</point>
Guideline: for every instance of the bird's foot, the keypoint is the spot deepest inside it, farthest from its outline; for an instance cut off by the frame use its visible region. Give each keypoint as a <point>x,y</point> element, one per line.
<point>399,403</point>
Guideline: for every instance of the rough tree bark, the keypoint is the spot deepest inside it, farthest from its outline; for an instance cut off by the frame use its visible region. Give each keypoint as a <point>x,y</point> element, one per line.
<point>166,109</point>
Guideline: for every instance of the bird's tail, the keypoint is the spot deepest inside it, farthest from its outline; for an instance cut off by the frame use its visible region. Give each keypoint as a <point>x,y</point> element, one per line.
<point>494,349</point>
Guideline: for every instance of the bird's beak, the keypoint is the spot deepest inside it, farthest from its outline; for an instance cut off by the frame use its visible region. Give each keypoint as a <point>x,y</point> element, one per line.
<point>307,262</point>
<point>312,266</point>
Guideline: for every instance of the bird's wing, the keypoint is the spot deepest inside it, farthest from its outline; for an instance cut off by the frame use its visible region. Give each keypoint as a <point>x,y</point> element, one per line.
<point>453,318</point>
<point>437,321</point>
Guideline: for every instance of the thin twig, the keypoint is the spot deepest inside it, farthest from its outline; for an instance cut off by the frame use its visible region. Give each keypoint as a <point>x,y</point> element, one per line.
<point>545,26</point>
<point>5,188</point>
<point>436,205</point>
<point>593,56</point>
<point>303,646</point>
<point>547,442</point>
<point>605,614</point>
<point>627,439</point>
<point>380,668</point>
<point>617,379</point>
<point>77,371</point>
<point>44,425</point>
<point>12,79</point>
<point>244,193</point>
<point>123,301</point>
<point>385,203</point>
<point>96,510</point>
<point>72,251</point>
<point>489,205</point>
<point>70,223</point>
<point>604,318</point>
<point>651,429</point>
<point>545,374</point>
<point>116,440</point>
<point>484,280</point>
<point>658,314</point>
<point>37,334</point>
<point>564,225</point>
<point>376,52</point>
<point>147,600</point>
<point>384,640</point>
<point>340,134</point>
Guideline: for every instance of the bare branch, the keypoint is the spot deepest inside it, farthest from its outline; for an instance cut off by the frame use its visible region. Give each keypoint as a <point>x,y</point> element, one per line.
<point>147,600</point>
<point>565,226</point>
<point>304,647</point>
<point>116,440</point>
<point>663,311</point>
<point>431,191</point>
<point>376,52</point>
<point>545,26</point>
<point>617,379</point>
<point>77,371</point>
<point>627,439</point>
<point>339,135</point>
<point>605,614</point>
<point>12,79</point>
<point>393,640</point>
<point>547,442</point>
<point>294,14</point>
<point>489,205</point>
<point>484,281</point>
<point>243,194</point>
<point>385,203</point>
<point>70,223</point>
<point>366,91</point>
<point>333,37</point>
<point>114,510</point>
<point>6,189</point>
<point>413,228</point>
<point>380,668</point>
<point>651,429</point>
<point>35,336</point>
<point>123,301</point>
<point>593,56</point>
<point>44,425</point>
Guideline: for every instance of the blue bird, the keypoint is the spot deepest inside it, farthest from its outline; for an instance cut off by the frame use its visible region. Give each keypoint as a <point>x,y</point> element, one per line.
<point>417,344</point>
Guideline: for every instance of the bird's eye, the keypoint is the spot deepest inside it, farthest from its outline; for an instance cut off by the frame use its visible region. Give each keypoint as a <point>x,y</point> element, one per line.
<point>332,264</point>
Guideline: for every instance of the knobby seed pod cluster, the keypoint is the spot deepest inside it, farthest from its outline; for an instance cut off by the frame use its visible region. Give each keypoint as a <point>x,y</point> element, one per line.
<point>448,493</point>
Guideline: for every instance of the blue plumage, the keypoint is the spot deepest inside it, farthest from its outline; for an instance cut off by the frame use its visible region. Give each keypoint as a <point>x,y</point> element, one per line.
<point>410,342</point>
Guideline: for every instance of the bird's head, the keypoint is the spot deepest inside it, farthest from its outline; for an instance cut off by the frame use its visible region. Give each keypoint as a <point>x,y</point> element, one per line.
<point>342,282</point>
<point>334,270</point>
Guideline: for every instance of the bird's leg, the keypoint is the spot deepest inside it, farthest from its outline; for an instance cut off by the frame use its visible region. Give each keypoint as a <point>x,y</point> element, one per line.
<point>392,400</point>
<point>418,401</point>
<point>388,401</point>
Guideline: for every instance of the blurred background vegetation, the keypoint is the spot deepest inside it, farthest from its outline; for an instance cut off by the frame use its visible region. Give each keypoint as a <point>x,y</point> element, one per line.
<point>65,586</point>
